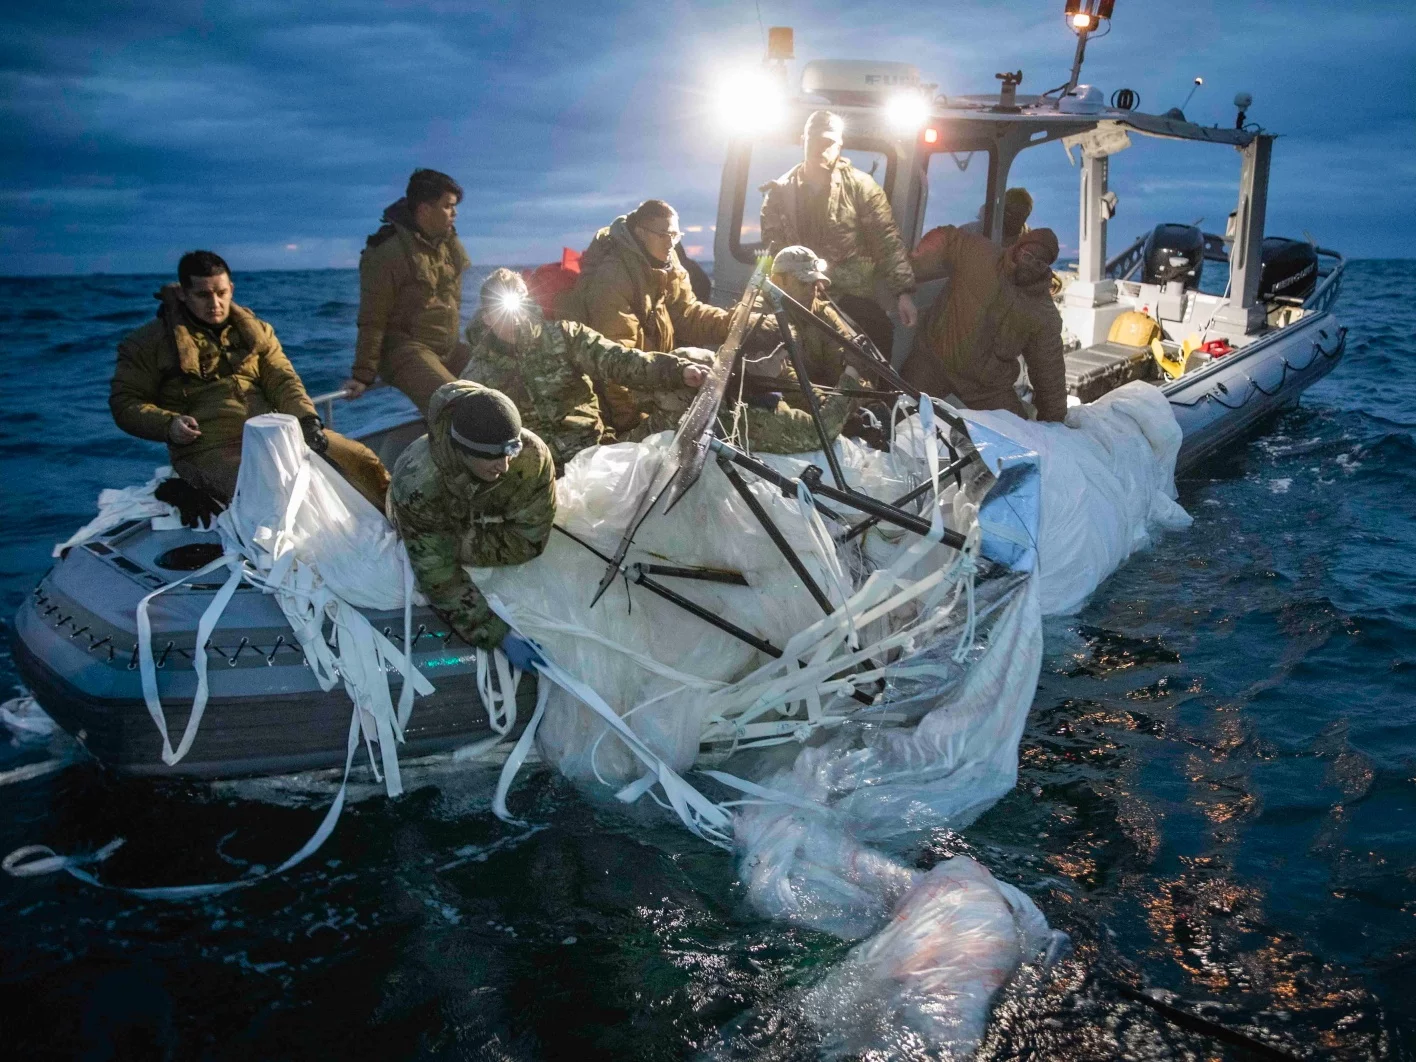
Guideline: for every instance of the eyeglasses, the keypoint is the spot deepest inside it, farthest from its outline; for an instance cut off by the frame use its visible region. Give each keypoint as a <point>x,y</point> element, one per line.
<point>674,235</point>
<point>1028,256</point>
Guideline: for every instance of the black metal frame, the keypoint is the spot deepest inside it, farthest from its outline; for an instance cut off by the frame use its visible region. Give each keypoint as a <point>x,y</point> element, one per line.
<point>861,353</point>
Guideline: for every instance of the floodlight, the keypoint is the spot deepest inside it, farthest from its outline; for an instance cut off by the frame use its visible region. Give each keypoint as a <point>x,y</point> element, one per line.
<point>750,101</point>
<point>907,111</point>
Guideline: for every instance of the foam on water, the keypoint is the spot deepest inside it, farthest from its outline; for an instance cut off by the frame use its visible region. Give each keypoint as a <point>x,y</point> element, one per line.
<point>1215,794</point>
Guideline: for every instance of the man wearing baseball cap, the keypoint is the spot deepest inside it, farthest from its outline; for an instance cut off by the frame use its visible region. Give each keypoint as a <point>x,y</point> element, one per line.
<point>478,490</point>
<point>801,274</point>
<point>827,204</point>
<point>996,310</point>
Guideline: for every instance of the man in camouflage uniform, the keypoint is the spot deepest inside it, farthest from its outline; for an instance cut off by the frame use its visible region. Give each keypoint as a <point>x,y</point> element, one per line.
<point>550,368</point>
<point>478,490</point>
<point>773,418</point>
<point>827,204</point>
<point>633,290</point>
<point>410,293</point>
<point>765,424</point>
<point>195,374</point>
<point>802,275</point>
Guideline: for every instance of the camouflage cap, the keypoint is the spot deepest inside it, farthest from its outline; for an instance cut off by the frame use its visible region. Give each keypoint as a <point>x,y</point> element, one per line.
<point>801,262</point>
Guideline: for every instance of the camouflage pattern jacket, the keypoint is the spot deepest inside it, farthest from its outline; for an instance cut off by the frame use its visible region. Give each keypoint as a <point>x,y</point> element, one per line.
<point>825,360</point>
<point>787,429</point>
<point>551,376</point>
<point>221,375</point>
<point>410,290</point>
<point>972,342</point>
<point>630,299</point>
<point>448,518</point>
<point>859,239</point>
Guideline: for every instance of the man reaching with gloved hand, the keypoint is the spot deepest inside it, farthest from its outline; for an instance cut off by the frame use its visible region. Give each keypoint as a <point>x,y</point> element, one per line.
<point>196,373</point>
<point>478,490</point>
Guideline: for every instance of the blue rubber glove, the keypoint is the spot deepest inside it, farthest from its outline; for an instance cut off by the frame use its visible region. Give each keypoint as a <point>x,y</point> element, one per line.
<point>523,653</point>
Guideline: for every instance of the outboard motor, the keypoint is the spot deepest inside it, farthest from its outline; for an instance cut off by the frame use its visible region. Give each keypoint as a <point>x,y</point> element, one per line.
<point>1287,269</point>
<point>1168,243</point>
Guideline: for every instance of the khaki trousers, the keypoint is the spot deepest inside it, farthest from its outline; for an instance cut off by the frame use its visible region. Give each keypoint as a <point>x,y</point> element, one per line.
<point>417,370</point>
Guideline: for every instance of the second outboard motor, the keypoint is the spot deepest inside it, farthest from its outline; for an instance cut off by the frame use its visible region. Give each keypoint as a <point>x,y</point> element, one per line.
<point>1165,245</point>
<point>1287,269</point>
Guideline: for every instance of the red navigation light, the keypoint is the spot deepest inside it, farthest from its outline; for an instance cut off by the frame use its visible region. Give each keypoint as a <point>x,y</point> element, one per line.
<point>931,135</point>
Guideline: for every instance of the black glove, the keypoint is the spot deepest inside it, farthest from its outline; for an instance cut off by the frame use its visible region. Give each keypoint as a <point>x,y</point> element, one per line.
<point>198,508</point>
<point>315,437</point>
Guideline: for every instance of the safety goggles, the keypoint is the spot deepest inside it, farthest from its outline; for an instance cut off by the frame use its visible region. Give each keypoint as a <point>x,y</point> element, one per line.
<point>509,449</point>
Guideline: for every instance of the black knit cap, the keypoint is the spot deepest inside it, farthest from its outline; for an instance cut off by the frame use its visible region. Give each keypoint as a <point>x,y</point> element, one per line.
<point>486,424</point>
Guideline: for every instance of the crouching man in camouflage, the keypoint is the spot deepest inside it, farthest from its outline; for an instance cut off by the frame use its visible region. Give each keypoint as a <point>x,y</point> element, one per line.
<point>478,490</point>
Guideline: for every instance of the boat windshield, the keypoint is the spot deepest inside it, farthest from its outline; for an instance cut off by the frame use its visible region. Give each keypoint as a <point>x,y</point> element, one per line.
<point>958,188</point>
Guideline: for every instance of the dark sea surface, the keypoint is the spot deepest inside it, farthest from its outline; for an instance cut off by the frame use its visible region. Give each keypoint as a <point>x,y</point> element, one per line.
<point>1217,795</point>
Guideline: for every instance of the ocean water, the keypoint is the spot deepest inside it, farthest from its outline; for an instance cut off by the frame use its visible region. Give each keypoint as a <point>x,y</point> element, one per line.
<point>1217,794</point>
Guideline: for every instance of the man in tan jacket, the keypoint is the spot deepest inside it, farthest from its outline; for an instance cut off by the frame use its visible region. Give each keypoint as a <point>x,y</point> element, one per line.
<point>997,309</point>
<point>632,290</point>
<point>195,374</point>
<point>410,294</point>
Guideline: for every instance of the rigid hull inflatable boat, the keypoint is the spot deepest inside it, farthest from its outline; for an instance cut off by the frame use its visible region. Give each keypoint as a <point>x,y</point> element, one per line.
<point>1266,337</point>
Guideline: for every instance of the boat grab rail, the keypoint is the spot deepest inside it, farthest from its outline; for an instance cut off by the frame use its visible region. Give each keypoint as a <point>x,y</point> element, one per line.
<point>1325,294</point>
<point>324,403</point>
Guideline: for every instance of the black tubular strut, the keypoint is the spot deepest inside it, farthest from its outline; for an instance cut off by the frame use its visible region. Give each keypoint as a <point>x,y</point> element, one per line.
<point>904,499</point>
<point>882,511</point>
<point>804,382</point>
<point>775,534</point>
<point>703,575</point>
<point>637,576</point>
<point>868,361</point>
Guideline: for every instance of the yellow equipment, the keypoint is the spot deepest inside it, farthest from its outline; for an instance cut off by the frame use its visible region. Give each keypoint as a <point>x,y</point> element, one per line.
<point>1171,365</point>
<point>1134,329</point>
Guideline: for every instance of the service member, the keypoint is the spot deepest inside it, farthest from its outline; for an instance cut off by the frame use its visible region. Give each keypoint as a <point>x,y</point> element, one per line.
<point>550,368</point>
<point>634,290</point>
<point>1017,208</point>
<point>410,293</point>
<point>997,309</point>
<point>479,490</point>
<point>801,274</point>
<point>195,374</point>
<point>827,204</point>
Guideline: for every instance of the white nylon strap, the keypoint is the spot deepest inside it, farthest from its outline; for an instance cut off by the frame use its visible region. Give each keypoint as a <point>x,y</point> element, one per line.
<point>34,860</point>
<point>147,668</point>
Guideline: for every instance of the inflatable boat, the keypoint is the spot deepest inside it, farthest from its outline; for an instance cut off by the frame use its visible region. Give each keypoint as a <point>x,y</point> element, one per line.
<point>1237,356</point>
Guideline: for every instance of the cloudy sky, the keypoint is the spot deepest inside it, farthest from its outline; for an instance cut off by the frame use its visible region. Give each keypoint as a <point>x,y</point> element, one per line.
<point>275,131</point>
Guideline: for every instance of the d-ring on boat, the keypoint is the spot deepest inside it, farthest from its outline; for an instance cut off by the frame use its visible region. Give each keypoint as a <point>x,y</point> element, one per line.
<point>1268,335</point>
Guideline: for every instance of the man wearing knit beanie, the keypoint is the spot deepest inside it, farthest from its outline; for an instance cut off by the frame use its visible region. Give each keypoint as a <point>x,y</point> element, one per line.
<point>996,311</point>
<point>478,490</point>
